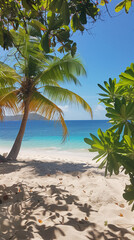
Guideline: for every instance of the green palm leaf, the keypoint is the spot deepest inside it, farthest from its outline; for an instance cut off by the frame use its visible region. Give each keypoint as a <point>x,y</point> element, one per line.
<point>8,100</point>
<point>65,95</point>
<point>61,70</point>
<point>8,75</point>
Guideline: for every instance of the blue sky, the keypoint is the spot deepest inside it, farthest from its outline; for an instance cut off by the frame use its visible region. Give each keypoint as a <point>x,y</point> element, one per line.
<point>105,51</point>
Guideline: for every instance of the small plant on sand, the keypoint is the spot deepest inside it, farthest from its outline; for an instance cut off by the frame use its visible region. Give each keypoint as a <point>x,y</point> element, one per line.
<point>115,147</point>
<point>37,83</point>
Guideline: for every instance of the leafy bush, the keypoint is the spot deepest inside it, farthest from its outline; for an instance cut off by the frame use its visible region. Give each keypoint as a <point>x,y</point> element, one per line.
<point>115,147</point>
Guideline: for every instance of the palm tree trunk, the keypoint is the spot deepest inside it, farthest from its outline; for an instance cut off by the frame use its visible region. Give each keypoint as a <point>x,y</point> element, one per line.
<point>17,144</point>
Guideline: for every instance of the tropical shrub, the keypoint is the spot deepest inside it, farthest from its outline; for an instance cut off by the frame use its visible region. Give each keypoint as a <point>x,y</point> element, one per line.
<point>115,147</point>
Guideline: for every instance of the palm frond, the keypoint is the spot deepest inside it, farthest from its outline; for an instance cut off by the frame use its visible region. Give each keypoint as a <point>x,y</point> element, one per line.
<point>48,109</point>
<point>64,95</point>
<point>8,100</point>
<point>50,82</point>
<point>61,70</point>
<point>8,75</point>
<point>34,60</point>
<point>75,80</point>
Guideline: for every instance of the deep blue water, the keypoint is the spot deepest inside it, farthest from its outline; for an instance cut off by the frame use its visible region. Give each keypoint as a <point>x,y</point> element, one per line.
<point>48,134</point>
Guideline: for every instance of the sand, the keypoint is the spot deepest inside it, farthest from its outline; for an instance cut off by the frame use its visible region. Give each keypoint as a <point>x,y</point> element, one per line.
<point>49,194</point>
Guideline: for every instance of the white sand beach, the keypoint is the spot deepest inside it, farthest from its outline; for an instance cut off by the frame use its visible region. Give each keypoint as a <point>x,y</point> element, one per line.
<point>49,194</point>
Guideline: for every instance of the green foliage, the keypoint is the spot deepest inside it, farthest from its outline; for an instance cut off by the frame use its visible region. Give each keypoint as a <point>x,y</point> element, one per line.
<point>106,145</point>
<point>124,4</point>
<point>45,42</point>
<point>50,16</point>
<point>115,147</point>
<point>111,91</point>
<point>51,20</point>
<point>74,22</point>
<point>129,191</point>
<point>127,78</point>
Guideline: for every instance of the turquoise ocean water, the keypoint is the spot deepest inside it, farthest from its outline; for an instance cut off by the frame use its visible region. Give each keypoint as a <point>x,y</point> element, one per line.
<point>48,134</point>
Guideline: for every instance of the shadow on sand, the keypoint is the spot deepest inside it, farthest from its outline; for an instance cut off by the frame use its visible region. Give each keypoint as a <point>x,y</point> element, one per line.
<point>42,168</point>
<point>19,216</point>
<point>44,212</point>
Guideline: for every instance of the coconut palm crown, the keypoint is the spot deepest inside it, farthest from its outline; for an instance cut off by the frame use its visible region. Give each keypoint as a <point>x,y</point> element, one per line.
<point>35,85</point>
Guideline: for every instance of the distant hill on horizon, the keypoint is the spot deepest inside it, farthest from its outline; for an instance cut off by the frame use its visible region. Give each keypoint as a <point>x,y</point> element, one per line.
<point>32,116</point>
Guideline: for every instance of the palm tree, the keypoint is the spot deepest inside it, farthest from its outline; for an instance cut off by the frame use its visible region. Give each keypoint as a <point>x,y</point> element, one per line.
<point>37,85</point>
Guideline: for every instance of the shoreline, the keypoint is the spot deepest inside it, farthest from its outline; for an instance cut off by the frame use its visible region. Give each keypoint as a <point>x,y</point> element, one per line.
<point>52,152</point>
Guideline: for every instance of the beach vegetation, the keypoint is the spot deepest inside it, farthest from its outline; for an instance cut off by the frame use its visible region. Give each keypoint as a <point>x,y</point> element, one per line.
<point>115,147</point>
<point>55,21</point>
<point>36,83</point>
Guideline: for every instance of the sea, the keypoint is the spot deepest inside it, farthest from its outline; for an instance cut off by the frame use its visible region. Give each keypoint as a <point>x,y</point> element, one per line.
<point>48,134</point>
